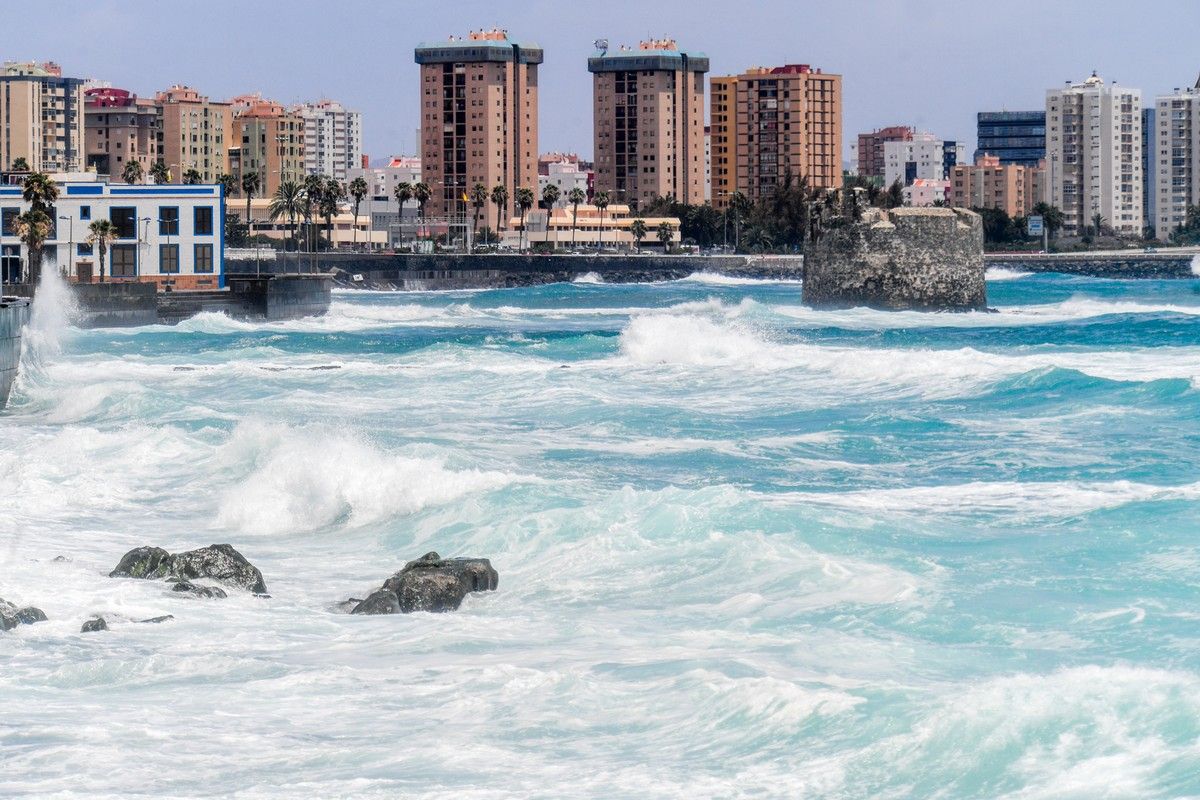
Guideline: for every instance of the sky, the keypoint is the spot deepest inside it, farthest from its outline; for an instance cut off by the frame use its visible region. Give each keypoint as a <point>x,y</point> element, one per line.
<point>928,63</point>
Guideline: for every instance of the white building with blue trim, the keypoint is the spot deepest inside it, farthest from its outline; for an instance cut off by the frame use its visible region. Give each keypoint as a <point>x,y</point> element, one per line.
<point>168,234</point>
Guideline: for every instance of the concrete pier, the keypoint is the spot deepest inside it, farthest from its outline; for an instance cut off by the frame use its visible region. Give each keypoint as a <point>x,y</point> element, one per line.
<point>14,314</point>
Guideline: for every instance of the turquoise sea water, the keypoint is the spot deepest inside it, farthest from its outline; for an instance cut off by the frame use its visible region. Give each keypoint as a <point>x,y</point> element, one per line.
<point>746,549</point>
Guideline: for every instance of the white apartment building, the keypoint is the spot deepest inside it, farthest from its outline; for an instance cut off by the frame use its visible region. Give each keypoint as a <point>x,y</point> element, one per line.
<point>332,138</point>
<point>924,157</point>
<point>1176,153</point>
<point>566,175</point>
<point>1094,150</point>
<point>926,192</point>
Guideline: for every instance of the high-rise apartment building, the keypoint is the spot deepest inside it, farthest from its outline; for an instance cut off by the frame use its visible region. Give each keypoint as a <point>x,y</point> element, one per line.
<point>479,118</point>
<point>120,127</point>
<point>648,122</point>
<point>769,123</point>
<point>924,157</point>
<point>268,140</point>
<point>196,133</point>
<point>1176,150</point>
<point>1014,137</point>
<point>1013,188</point>
<point>332,138</point>
<point>871,162</point>
<point>42,117</point>
<point>1094,146</point>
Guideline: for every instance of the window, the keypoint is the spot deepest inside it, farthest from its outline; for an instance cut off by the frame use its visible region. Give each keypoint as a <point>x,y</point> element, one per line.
<point>10,263</point>
<point>83,249</point>
<point>168,259</point>
<point>204,258</point>
<point>85,212</point>
<point>8,218</point>
<point>124,260</point>
<point>124,219</point>
<point>202,219</point>
<point>168,220</point>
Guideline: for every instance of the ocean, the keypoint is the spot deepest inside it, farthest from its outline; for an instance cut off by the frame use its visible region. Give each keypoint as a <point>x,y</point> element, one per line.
<point>746,549</point>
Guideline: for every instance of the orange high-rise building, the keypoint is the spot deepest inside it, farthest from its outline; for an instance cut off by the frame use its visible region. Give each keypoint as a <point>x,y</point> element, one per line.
<point>479,120</point>
<point>767,124</point>
<point>196,134</point>
<point>649,122</point>
<point>1013,188</point>
<point>269,141</point>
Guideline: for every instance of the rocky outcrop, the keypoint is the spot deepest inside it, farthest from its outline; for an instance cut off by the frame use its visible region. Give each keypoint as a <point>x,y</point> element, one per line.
<point>431,583</point>
<point>921,259</point>
<point>218,562</point>
<point>187,587</point>
<point>94,625</point>
<point>11,616</point>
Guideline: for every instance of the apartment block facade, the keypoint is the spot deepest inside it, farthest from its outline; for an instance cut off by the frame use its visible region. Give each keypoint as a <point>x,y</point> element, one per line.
<point>1094,147</point>
<point>332,138</point>
<point>1176,158</point>
<point>1014,137</point>
<point>42,114</point>
<point>871,161</point>
<point>120,127</point>
<point>267,140</point>
<point>924,157</point>
<point>771,123</point>
<point>648,122</point>
<point>989,183</point>
<point>479,119</point>
<point>196,133</point>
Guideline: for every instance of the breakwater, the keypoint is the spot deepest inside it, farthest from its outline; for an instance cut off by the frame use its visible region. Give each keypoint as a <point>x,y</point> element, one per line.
<point>14,314</point>
<point>1132,264</point>
<point>490,270</point>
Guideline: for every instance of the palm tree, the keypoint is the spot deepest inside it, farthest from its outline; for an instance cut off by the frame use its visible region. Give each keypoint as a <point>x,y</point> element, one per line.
<point>192,177</point>
<point>524,200</point>
<point>133,172</point>
<point>288,201</point>
<point>100,233</point>
<point>20,165</point>
<point>314,187</point>
<point>403,193</point>
<point>250,185</point>
<point>600,201</point>
<point>500,200</point>
<point>228,183</point>
<point>550,196</point>
<point>739,206</point>
<point>665,232</point>
<point>358,190</point>
<point>422,193</point>
<point>39,191</point>
<point>33,228</point>
<point>332,194</point>
<point>894,198</point>
<point>479,199</point>
<point>160,173</point>
<point>575,197</point>
<point>638,229</point>
<point>759,239</point>
<point>1098,223</point>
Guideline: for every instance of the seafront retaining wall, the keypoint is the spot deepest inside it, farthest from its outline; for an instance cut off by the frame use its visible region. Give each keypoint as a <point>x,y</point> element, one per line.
<point>1134,264</point>
<point>14,314</point>
<point>928,259</point>
<point>488,270</point>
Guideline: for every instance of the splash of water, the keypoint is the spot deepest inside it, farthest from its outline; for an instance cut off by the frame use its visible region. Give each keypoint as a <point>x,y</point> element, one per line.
<point>54,309</point>
<point>1196,265</point>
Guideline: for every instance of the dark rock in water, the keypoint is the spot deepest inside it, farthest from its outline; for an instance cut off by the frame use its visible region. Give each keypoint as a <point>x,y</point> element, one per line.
<point>61,558</point>
<point>94,625</point>
<point>431,583</point>
<point>157,620</point>
<point>198,591</point>
<point>11,616</point>
<point>143,562</point>
<point>220,562</point>
<point>379,601</point>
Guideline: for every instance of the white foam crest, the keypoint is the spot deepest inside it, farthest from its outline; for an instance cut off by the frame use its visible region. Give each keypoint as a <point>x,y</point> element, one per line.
<point>1012,499</point>
<point>691,340</point>
<point>588,277</point>
<point>721,279</point>
<point>1005,274</point>
<point>302,480</point>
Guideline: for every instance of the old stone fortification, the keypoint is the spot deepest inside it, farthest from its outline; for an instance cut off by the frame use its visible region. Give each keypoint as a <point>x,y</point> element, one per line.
<point>14,313</point>
<point>927,259</point>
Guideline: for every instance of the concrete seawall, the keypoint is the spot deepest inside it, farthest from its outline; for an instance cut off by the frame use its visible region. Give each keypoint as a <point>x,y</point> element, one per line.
<point>459,271</point>
<point>14,314</point>
<point>1134,264</point>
